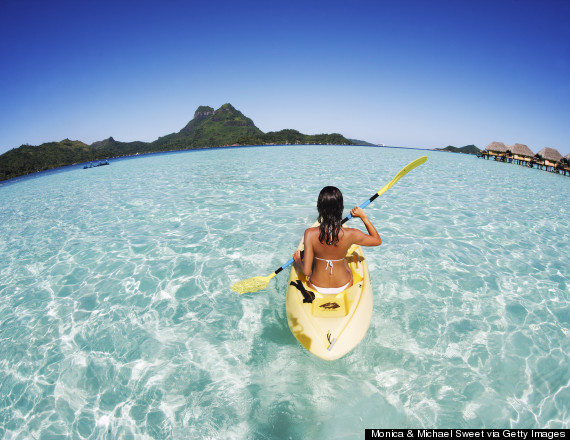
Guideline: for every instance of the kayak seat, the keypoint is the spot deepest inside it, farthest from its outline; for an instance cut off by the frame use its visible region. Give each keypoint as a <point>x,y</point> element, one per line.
<point>334,305</point>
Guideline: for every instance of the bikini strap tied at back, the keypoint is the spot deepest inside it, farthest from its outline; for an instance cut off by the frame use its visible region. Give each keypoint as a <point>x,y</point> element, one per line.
<point>329,263</point>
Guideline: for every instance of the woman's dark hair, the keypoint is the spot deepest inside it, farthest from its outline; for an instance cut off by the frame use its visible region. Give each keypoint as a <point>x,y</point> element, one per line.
<point>330,206</point>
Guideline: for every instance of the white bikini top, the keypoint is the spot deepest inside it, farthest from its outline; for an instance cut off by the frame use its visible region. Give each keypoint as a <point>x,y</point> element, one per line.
<point>329,262</point>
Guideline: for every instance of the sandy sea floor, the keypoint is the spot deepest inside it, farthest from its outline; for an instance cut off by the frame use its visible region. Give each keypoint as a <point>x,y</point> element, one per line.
<point>117,319</point>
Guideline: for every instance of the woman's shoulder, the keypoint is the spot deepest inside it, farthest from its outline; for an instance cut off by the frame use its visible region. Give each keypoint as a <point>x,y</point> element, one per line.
<point>311,234</point>
<point>350,233</point>
<point>312,231</point>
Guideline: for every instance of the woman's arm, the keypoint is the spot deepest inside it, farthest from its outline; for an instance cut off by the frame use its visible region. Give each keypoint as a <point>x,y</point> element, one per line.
<point>305,264</point>
<point>360,238</point>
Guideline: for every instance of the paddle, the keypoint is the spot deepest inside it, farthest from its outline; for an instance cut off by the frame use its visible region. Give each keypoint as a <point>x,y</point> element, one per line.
<point>257,283</point>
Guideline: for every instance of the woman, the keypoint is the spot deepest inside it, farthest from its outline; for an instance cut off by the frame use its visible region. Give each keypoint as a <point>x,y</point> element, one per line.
<point>326,245</point>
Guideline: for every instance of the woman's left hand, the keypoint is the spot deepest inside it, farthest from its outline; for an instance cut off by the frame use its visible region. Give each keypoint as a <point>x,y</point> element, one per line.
<point>297,257</point>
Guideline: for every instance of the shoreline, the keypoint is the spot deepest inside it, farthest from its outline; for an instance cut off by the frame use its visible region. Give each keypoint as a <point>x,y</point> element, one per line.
<point>34,174</point>
<point>64,168</point>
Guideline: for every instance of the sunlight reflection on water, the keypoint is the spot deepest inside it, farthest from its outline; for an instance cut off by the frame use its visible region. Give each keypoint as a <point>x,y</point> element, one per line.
<point>117,317</point>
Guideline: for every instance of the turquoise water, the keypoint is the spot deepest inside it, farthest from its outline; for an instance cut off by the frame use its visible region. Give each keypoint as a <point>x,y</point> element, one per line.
<point>117,318</point>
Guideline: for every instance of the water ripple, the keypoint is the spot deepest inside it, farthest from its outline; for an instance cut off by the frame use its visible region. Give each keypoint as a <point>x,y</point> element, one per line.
<point>117,320</point>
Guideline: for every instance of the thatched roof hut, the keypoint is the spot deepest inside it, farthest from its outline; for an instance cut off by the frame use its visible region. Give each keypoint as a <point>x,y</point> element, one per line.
<point>521,150</point>
<point>496,147</point>
<point>549,154</point>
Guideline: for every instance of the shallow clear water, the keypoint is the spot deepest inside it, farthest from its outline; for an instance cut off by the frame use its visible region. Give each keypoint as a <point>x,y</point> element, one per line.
<point>117,318</point>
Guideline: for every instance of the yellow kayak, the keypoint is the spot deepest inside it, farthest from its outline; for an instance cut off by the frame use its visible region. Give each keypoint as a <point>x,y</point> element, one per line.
<point>330,326</point>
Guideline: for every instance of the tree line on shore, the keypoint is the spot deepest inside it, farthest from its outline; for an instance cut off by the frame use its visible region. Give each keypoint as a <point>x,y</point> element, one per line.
<point>209,128</point>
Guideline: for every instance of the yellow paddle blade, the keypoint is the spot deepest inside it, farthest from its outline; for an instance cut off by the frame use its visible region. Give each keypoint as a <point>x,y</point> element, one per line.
<point>402,173</point>
<point>252,284</point>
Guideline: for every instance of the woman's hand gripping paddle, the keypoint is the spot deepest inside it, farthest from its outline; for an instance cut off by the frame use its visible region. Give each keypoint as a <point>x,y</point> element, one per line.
<point>257,283</point>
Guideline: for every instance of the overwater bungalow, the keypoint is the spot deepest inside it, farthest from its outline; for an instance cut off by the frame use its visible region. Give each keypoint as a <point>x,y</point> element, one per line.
<point>496,150</point>
<point>520,154</point>
<point>548,159</point>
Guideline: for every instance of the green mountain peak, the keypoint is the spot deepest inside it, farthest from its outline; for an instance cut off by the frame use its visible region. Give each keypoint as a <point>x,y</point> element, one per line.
<point>203,111</point>
<point>209,128</point>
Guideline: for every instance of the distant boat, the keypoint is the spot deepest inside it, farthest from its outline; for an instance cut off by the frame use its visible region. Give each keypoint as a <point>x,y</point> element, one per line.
<point>100,164</point>
<point>380,145</point>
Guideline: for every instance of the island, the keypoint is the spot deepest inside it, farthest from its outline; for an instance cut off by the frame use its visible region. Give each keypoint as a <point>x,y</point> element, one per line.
<point>209,128</point>
<point>467,149</point>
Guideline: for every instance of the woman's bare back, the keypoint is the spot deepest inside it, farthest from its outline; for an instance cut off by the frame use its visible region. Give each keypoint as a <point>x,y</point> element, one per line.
<point>330,268</point>
<point>318,257</point>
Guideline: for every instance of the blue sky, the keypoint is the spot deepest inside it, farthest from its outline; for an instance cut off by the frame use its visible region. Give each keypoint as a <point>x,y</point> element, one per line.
<point>405,73</point>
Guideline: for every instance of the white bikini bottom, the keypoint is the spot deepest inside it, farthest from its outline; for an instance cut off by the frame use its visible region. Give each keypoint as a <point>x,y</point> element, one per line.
<point>330,290</point>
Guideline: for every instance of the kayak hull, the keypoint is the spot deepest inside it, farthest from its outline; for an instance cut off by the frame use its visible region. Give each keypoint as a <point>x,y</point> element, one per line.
<point>332,325</point>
